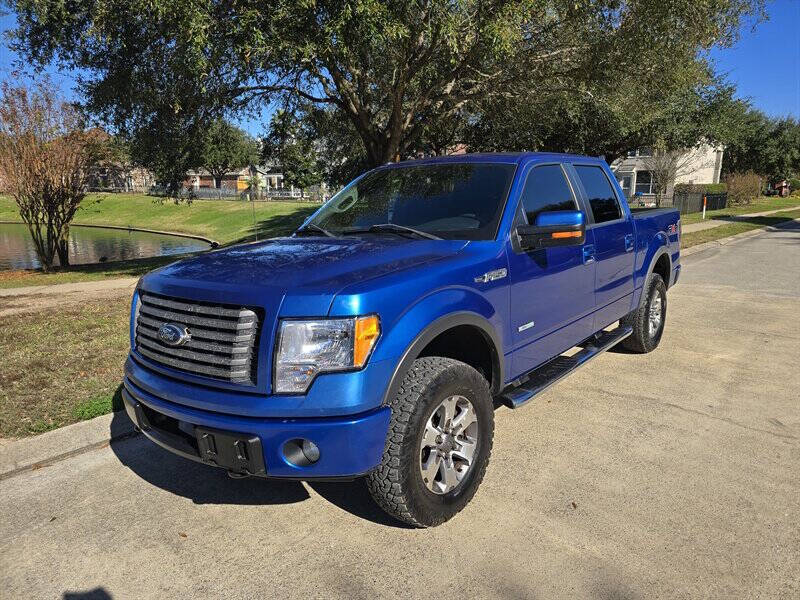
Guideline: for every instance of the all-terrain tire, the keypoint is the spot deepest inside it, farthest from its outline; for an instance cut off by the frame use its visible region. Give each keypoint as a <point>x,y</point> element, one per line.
<point>645,339</point>
<point>397,483</point>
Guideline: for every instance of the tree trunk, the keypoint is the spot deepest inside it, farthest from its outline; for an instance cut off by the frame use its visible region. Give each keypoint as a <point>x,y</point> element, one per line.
<point>63,252</point>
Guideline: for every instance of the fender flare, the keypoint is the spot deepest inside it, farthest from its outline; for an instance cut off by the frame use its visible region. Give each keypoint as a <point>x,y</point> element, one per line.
<point>438,327</point>
<point>661,251</point>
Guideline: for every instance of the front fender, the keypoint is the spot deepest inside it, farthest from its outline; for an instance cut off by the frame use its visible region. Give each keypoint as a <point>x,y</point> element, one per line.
<point>416,327</point>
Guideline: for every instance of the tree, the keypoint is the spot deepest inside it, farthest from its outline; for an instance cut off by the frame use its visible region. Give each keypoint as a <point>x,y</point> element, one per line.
<point>393,70</point>
<point>767,146</point>
<point>292,148</point>
<point>665,167</point>
<point>225,147</point>
<point>45,158</point>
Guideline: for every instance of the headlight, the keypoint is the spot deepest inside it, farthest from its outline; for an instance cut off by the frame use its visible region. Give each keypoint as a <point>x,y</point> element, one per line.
<point>307,348</point>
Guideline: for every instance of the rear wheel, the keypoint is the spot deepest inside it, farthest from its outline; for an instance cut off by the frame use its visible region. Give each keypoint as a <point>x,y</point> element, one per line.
<point>648,320</point>
<point>439,442</point>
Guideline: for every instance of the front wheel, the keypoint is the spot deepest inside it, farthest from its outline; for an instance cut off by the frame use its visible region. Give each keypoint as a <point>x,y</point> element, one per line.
<point>438,445</point>
<point>648,320</point>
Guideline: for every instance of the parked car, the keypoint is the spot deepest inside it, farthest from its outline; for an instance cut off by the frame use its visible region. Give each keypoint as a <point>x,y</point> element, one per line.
<point>377,340</point>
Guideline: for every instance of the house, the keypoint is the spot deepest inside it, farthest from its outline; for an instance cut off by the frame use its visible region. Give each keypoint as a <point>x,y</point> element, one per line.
<point>237,181</point>
<point>699,165</point>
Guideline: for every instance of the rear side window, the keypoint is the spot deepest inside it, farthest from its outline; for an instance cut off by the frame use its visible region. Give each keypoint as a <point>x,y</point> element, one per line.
<point>546,189</point>
<point>602,198</point>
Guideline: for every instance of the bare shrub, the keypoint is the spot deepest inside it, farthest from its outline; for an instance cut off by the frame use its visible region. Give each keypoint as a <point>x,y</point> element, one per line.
<point>743,187</point>
<point>45,157</point>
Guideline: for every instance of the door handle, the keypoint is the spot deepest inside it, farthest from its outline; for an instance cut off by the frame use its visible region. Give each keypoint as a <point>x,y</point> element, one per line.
<point>629,242</point>
<point>588,254</point>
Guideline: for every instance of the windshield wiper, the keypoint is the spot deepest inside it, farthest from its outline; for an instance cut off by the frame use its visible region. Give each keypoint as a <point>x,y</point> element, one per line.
<point>398,229</point>
<point>313,228</point>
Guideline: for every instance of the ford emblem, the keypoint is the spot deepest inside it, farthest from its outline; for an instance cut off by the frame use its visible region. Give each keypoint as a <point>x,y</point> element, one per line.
<point>173,335</point>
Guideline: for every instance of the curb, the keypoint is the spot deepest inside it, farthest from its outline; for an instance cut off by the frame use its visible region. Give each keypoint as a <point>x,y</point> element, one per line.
<point>209,241</point>
<point>730,239</point>
<point>29,454</point>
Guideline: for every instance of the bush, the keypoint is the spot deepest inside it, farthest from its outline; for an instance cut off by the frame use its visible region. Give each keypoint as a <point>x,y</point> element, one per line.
<point>743,187</point>
<point>701,188</point>
<point>794,185</point>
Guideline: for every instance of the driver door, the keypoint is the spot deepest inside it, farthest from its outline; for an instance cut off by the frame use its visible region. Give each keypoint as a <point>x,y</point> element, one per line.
<point>552,289</point>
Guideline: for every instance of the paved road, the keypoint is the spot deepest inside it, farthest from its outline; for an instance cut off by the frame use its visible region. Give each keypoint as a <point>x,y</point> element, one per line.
<point>675,474</point>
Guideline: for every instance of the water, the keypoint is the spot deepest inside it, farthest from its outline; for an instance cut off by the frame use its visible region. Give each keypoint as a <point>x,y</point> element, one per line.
<point>90,244</point>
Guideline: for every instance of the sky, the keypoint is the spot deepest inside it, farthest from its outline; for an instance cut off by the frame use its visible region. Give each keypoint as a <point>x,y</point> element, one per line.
<point>764,64</point>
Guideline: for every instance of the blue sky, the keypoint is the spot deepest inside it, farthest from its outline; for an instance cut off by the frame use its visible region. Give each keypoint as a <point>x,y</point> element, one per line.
<point>764,64</point>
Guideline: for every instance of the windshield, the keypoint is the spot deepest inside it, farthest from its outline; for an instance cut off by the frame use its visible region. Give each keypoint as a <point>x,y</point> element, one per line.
<point>452,201</point>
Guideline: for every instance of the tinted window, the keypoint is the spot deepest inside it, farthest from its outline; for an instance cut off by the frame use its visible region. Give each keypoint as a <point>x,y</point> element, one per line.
<point>546,189</point>
<point>601,195</point>
<point>455,201</point>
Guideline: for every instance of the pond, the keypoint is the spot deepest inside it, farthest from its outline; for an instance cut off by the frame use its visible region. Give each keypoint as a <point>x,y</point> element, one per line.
<point>91,245</point>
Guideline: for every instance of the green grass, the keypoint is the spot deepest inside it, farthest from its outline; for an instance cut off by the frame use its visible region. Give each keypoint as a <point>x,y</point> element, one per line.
<point>61,365</point>
<point>758,205</point>
<point>709,235</point>
<point>225,221</point>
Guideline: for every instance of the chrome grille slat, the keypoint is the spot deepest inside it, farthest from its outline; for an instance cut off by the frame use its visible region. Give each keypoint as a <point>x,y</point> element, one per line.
<point>214,311</point>
<point>187,353</point>
<point>184,319</point>
<point>217,373</point>
<point>197,332</point>
<point>223,343</point>
<point>194,344</point>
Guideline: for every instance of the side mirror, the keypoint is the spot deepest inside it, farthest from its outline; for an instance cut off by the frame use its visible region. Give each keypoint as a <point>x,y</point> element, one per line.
<point>555,228</point>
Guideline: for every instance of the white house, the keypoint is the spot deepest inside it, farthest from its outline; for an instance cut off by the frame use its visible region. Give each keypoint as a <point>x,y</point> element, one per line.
<point>701,164</point>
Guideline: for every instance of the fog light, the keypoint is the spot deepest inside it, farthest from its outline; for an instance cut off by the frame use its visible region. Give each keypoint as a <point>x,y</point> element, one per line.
<point>300,452</point>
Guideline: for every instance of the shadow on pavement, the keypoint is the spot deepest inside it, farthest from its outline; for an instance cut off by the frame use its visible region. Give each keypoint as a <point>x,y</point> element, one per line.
<point>208,485</point>
<point>97,593</point>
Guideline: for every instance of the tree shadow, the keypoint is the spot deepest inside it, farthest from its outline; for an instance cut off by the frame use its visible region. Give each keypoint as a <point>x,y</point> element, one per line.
<point>277,225</point>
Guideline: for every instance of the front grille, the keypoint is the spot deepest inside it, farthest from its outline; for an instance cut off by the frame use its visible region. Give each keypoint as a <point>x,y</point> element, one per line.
<point>223,341</point>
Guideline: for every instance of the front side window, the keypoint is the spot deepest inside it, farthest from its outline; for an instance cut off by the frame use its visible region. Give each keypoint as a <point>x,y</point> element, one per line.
<point>546,189</point>
<point>602,198</point>
<point>451,201</point>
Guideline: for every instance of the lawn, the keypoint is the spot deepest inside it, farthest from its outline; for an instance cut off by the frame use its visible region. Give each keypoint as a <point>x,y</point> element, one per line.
<point>61,366</point>
<point>225,221</point>
<point>758,205</point>
<point>708,235</point>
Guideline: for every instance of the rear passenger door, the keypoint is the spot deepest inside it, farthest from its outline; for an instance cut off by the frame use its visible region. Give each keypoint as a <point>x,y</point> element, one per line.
<point>613,244</point>
<point>552,289</point>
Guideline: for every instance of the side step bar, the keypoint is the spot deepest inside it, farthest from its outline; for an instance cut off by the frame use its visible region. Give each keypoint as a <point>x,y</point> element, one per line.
<point>555,370</point>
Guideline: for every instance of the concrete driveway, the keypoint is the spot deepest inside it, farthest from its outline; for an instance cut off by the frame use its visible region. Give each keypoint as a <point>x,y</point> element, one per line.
<point>675,474</point>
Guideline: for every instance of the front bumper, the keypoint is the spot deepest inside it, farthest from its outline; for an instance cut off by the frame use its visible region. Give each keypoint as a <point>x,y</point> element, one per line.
<point>349,446</point>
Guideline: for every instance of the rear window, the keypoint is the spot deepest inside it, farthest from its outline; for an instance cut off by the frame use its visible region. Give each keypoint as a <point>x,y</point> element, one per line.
<point>602,199</point>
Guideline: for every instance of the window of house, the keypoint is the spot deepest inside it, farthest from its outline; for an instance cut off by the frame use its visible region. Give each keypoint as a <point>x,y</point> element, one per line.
<point>546,189</point>
<point>644,182</point>
<point>625,183</point>
<point>602,198</point>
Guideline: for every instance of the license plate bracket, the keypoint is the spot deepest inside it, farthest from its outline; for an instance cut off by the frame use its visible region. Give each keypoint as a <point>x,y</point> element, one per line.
<point>237,452</point>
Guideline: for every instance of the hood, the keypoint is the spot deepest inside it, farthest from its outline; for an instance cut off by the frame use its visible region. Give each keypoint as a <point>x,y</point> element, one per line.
<point>309,270</point>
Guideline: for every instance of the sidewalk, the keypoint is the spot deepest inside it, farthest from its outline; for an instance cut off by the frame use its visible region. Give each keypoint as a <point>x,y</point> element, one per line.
<point>711,223</point>
<point>25,299</point>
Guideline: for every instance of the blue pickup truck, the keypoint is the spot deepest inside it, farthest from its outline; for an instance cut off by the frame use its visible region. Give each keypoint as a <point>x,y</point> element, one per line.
<point>377,340</point>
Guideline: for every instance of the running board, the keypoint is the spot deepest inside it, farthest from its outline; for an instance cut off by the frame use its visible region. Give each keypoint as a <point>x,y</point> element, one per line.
<point>556,369</point>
